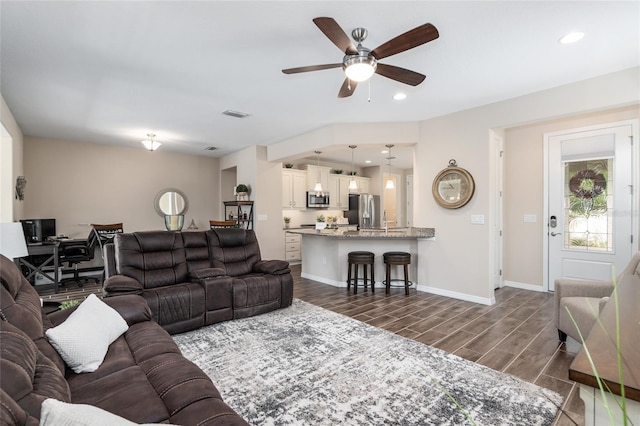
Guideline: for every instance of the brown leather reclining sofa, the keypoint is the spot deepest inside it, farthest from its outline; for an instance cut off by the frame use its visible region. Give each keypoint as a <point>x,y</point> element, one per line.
<point>143,377</point>
<point>192,279</point>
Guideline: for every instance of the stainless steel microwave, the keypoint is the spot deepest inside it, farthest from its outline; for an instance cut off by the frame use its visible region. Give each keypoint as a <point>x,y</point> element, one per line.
<point>317,201</point>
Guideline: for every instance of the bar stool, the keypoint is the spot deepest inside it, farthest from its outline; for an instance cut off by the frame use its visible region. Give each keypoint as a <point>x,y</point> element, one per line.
<point>364,258</point>
<point>397,258</point>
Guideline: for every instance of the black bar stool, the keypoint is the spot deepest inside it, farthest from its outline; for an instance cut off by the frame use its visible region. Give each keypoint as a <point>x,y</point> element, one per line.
<point>364,258</point>
<point>397,258</point>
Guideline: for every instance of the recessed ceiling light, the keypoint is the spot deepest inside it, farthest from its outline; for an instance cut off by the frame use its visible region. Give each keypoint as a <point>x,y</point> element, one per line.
<point>572,37</point>
<point>367,161</point>
<point>400,96</point>
<point>384,151</point>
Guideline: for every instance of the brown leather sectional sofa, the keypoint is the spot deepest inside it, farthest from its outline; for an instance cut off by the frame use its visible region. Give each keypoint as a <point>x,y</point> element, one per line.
<point>143,377</point>
<point>192,279</point>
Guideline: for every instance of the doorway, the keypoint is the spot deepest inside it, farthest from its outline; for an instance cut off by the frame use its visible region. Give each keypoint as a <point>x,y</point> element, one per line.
<point>589,202</point>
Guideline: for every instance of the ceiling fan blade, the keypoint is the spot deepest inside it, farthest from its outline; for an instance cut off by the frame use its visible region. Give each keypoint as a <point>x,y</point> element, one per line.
<point>412,38</point>
<point>402,75</point>
<point>311,68</point>
<point>347,89</point>
<point>332,30</point>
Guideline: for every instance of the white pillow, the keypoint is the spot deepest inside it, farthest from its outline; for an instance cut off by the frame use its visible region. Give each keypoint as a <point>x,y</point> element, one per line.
<point>83,339</point>
<point>58,413</point>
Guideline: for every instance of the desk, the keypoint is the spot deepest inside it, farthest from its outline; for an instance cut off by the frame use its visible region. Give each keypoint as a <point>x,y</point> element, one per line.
<point>38,250</point>
<point>603,349</point>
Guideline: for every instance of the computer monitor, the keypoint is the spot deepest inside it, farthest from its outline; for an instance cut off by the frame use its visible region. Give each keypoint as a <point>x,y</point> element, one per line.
<point>38,230</point>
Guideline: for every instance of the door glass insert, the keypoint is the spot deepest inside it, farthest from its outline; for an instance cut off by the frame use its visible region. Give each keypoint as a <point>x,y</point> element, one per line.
<point>588,205</point>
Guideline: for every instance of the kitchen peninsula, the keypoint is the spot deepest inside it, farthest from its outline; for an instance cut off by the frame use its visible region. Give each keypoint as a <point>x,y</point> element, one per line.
<point>324,253</point>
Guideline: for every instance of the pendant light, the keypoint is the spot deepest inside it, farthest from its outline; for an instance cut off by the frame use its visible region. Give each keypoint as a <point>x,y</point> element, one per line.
<point>353,185</point>
<point>318,187</point>
<point>150,143</point>
<point>389,184</point>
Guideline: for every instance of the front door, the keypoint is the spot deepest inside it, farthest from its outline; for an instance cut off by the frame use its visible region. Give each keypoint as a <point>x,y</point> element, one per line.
<point>589,217</point>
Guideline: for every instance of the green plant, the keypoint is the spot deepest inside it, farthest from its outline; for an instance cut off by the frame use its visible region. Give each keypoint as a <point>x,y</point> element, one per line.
<point>320,218</point>
<point>241,187</point>
<point>337,171</point>
<point>288,165</point>
<point>69,304</point>
<point>286,219</point>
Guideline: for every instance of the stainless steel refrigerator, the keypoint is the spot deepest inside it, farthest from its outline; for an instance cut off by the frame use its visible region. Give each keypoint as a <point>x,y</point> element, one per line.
<point>364,210</point>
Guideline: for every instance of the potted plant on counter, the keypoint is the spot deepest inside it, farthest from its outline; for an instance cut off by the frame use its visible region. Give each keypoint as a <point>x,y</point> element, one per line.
<point>287,220</point>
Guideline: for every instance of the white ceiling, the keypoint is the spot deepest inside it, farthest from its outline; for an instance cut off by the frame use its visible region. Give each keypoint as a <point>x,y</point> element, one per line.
<point>111,71</point>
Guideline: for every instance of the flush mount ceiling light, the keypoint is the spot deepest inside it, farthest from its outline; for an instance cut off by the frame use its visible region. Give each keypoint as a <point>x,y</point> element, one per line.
<point>389,184</point>
<point>353,185</point>
<point>400,96</point>
<point>318,186</point>
<point>150,143</point>
<point>571,37</point>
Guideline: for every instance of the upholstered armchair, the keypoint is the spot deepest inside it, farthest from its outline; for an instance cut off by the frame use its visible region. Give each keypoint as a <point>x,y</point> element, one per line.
<point>584,299</point>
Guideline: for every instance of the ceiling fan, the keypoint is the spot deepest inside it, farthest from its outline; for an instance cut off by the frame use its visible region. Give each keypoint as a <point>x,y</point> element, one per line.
<point>359,63</point>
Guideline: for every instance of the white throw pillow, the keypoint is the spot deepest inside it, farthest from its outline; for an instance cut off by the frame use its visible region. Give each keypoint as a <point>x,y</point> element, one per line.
<point>58,413</point>
<point>83,339</point>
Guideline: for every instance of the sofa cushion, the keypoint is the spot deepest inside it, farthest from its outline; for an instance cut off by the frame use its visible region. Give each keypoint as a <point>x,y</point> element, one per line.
<point>84,338</point>
<point>234,250</point>
<point>177,303</point>
<point>28,377</point>
<point>19,301</point>
<point>154,259</point>
<point>255,294</point>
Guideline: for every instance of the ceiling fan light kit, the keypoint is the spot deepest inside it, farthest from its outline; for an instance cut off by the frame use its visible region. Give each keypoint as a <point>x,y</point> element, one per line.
<point>360,63</point>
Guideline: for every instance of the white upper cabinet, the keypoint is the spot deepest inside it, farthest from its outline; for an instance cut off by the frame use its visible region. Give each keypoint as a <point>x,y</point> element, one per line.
<point>294,189</point>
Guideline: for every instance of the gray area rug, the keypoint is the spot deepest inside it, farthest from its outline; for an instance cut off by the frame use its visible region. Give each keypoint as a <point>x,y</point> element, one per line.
<point>305,365</point>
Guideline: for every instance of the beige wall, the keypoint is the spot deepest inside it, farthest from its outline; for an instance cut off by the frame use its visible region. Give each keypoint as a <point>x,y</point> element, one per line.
<point>84,183</point>
<point>11,164</point>
<point>461,261</point>
<point>523,191</point>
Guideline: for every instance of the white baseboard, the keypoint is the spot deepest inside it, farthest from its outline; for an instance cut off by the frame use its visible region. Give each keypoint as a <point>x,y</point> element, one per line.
<point>524,286</point>
<point>457,295</point>
<point>422,288</point>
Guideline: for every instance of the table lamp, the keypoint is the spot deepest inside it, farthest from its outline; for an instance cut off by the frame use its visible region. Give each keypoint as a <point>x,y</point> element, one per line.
<point>12,242</point>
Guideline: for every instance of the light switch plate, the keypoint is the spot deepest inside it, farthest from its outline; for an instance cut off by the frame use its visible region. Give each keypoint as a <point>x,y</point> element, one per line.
<point>530,218</point>
<point>262,217</point>
<point>477,219</point>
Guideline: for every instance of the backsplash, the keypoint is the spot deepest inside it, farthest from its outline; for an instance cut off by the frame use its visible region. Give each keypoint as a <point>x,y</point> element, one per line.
<point>299,217</point>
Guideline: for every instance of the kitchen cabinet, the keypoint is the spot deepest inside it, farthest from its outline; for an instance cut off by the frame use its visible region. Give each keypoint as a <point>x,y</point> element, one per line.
<point>315,172</point>
<point>339,191</point>
<point>363,185</point>
<point>294,189</point>
<point>292,247</point>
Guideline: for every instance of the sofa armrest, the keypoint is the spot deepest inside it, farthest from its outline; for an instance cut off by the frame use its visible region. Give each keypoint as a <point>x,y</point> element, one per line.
<point>121,284</point>
<point>602,303</point>
<point>132,308</point>
<point>276,267</point>
<point>565,287</point>
<point>201,274</point>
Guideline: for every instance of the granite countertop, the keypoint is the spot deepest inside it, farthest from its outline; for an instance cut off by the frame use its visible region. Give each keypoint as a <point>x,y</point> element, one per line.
<point>369,233</point>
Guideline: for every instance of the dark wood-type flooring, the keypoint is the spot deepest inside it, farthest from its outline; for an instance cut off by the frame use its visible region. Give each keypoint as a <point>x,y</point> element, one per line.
<point>516,335</point>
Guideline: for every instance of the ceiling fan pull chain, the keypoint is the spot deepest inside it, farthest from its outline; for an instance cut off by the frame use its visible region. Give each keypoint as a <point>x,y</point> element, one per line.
<point>369,99</point>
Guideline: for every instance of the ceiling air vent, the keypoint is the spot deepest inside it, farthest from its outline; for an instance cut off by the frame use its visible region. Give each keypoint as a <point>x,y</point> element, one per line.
<point>211,148</point>
<point>236,114</point>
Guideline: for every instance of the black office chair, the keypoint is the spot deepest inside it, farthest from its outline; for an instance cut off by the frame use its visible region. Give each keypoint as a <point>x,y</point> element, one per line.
<point>77,251</point>
<point>105,235</point>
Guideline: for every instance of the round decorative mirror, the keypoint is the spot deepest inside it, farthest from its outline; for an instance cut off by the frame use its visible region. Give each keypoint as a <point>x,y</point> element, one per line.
<point>171,202</point>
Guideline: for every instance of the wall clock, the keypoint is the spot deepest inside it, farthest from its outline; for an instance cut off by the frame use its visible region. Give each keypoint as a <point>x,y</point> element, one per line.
<point>453,187</point>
